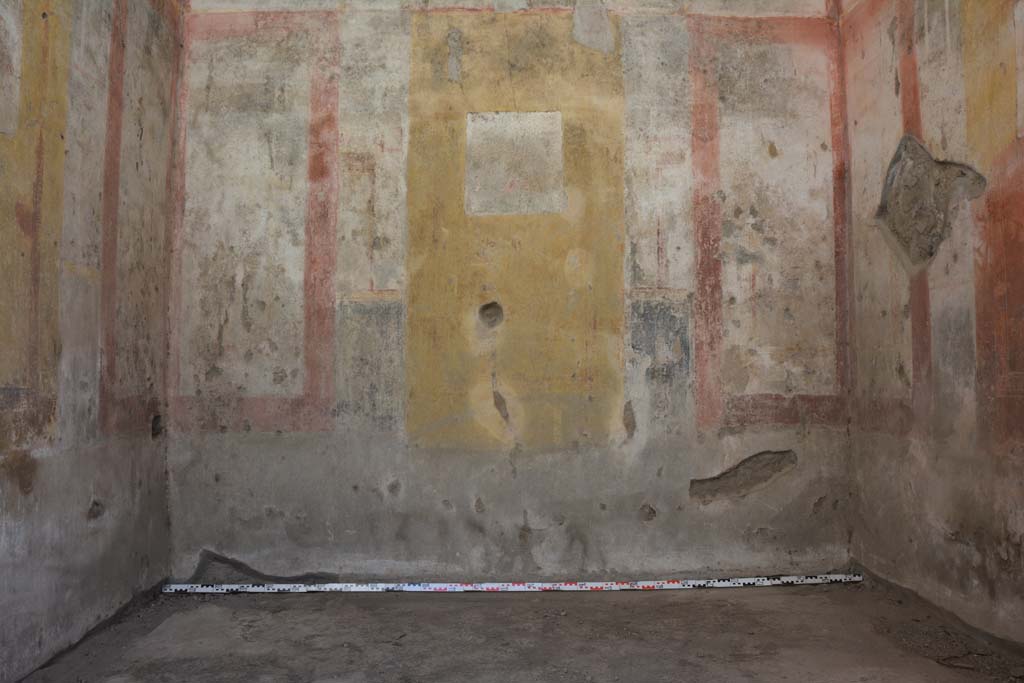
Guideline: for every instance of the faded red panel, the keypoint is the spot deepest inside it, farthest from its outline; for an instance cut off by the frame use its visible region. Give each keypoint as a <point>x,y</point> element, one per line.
<point>786,410</point>
<point>312,410</point>
<point>321,219</point>
<point>712,408</point>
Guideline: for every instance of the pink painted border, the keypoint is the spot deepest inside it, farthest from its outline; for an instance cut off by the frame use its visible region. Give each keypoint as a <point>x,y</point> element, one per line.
<point>713,408</point>
<point>311,411</point>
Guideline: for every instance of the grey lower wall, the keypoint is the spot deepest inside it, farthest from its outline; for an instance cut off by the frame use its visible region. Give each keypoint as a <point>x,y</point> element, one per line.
<point>91,533</point>
<point>362,504</point>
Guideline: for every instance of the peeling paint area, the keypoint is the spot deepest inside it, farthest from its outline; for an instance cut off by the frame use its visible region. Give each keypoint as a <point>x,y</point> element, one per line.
<point>374,137</point>
<point>655,63</point>
<point>555,359</point>
<point>244,233</point>
<point>778,230</point>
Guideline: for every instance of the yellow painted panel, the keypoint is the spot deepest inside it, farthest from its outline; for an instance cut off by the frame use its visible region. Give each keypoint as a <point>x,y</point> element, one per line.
<point>990,78</point>
<point>31,213</point>
<point>549,376</point>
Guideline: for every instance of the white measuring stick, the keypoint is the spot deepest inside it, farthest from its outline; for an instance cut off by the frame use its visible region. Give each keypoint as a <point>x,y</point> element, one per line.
<point>511,587</point>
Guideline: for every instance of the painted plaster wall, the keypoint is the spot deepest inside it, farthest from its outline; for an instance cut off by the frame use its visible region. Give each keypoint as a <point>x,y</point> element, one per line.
<point>83,209</point>
<point>650,195</point>
<point>936,459</point>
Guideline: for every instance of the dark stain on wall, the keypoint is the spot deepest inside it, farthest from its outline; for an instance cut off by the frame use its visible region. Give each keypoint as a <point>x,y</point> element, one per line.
<point>19,468</point>
<point>659,338</point>
<point>660,332</point>
<point>648,512</point>
<point>501,406</point>
<point>629,419</point>
<point>96,510</point>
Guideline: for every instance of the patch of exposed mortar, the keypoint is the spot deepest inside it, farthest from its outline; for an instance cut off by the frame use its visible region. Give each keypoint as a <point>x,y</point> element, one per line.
<point>919,197</point>
<point>746,476</point>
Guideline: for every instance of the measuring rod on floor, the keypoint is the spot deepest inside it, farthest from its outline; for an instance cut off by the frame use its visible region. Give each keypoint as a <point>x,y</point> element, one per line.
<point>512,587</point>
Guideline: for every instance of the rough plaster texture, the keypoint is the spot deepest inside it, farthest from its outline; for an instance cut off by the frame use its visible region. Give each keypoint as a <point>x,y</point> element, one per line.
<point>83,516</point>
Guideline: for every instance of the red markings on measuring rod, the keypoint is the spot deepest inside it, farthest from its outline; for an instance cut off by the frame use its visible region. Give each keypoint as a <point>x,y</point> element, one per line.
<point>513,587</point>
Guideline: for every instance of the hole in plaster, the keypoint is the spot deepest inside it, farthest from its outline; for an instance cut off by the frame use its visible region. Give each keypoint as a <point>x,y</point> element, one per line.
<point>491,314</point>
<point>156,426</point>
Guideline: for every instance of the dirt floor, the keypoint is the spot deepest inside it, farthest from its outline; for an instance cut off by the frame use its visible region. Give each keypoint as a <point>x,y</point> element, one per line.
<point>866,632</point>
